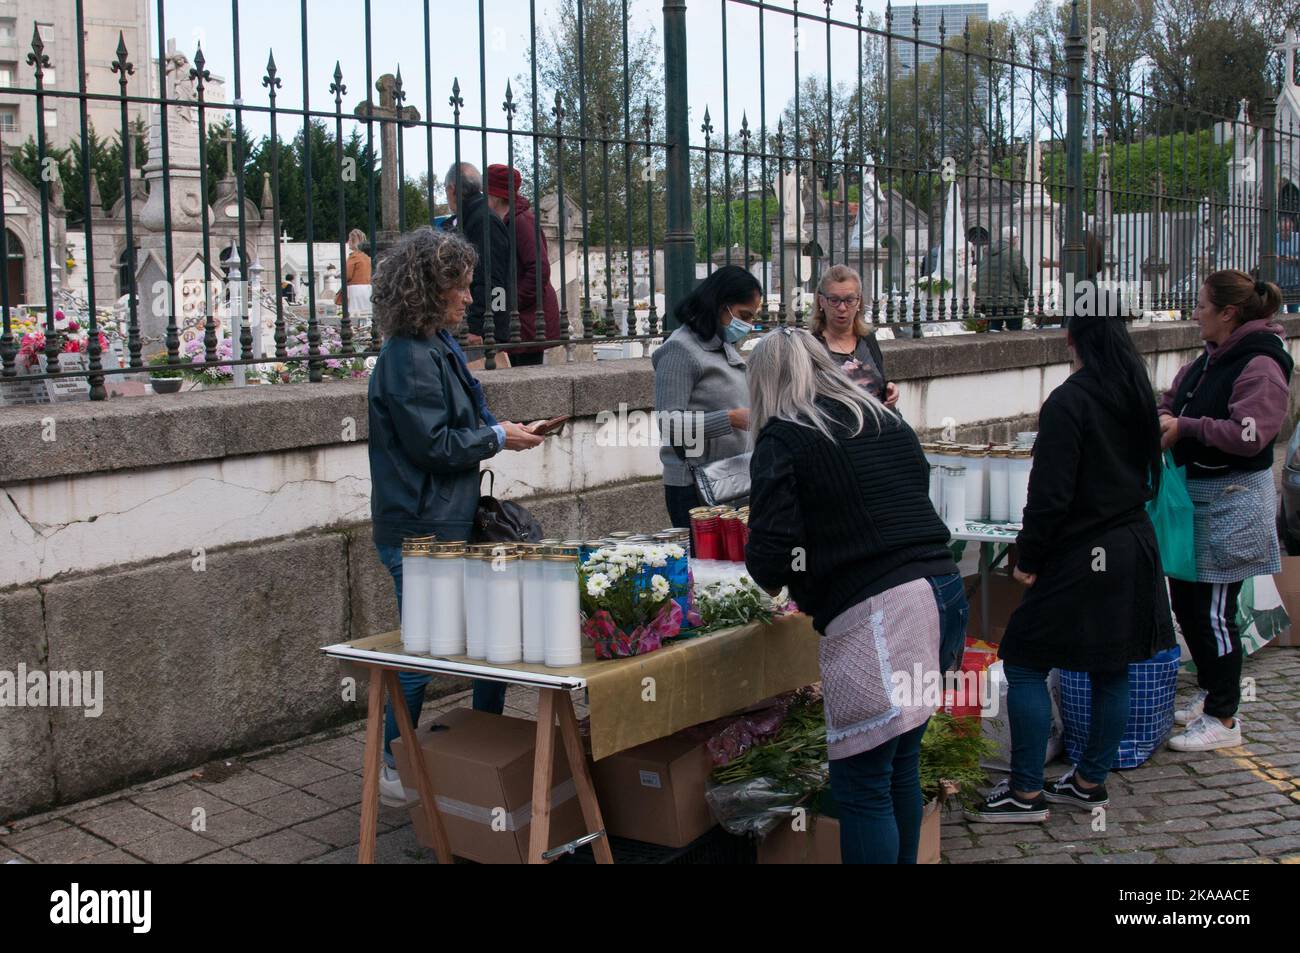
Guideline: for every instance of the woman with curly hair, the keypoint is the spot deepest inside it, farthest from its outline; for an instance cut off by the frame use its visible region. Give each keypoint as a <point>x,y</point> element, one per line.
<point>430,428</point>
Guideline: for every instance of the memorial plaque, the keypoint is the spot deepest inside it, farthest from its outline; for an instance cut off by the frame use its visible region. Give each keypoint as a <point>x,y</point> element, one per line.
<point>18,390</point>
<point>64,389</point>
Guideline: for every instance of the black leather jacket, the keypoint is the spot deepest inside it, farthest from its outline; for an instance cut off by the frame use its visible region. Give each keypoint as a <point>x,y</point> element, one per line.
<point>428,434</point>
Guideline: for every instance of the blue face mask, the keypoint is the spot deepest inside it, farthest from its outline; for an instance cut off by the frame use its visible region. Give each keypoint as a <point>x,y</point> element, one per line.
<point>735,332</point>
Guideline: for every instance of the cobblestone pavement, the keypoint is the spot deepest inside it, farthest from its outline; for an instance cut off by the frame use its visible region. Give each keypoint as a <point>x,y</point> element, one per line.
<point>299,803</point>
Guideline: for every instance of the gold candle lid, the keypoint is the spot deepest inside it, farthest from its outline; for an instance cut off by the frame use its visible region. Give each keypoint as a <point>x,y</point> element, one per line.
<point>447,550</point>
<point>531,550</point>
<point>417,547</point>
<point>565,553</point>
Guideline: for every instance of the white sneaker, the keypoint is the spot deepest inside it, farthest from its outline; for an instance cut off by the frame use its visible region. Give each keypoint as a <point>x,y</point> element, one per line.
<point>391,791</point>
<point>1185,716</point>
<point>1207,734</point>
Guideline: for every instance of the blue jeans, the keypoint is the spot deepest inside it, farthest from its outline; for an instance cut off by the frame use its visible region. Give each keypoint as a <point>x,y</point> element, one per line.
<point>488,696</point>
<point>954,611</point>
<point>1029,709</point>
<point>879,797</point>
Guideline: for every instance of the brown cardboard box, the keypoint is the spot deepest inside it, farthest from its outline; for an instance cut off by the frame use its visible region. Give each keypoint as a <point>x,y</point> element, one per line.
<point>655,791</point>
<point>1288,585</point>
<point>482,772</point>
<point>820,843</point>
<point>1004,595</point>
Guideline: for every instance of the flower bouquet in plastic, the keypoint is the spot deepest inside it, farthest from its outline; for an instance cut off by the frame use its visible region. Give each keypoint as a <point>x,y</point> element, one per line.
<point>627,607</point>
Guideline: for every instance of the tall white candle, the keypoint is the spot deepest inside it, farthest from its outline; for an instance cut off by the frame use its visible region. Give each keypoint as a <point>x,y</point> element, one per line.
<point>976,462</point>
<point>416,596</point>
<point>999,487</point>
<point>1018,491</point>
<point>563,623</point>
<point>476,568</point>
<point>532,587</point>
<point>954,496</point>
<point>447,618</point>
<point>504,620</point>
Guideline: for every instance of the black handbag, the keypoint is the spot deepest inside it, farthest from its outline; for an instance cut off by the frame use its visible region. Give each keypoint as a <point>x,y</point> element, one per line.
<point>501,521</point>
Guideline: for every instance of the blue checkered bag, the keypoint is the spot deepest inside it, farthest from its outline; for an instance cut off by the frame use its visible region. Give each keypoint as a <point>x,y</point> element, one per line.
<point>1151,687</point>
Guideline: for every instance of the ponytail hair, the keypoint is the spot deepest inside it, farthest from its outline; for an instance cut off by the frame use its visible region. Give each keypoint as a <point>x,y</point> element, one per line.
<point>1252,299</point>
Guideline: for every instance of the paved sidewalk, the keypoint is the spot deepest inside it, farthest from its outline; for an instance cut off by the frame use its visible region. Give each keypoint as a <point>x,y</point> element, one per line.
<point>298,803</point>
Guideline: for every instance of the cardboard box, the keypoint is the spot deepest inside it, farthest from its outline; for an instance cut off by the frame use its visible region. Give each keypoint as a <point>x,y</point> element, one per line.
<point>1288,586</point>
<point>820,843</point>
<point>655,791</point>
<point>1004,595</point>
<point>482,773</point>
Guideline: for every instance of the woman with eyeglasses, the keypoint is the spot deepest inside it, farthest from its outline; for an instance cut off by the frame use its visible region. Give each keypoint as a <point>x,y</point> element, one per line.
<point>839,322</point>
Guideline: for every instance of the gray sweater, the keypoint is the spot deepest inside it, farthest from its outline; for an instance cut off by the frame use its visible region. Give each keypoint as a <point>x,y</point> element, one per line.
<point>696,383</point>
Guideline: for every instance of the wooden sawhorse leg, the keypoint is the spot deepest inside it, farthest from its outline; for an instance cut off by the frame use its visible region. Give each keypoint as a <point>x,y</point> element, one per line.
<point>385,680</point>
<point>550,703</point>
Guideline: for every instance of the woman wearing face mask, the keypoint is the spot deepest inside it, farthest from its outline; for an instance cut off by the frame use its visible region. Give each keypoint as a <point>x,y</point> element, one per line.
<point>839,322</point>
<point>701,397</point>
<point>1221,417</point>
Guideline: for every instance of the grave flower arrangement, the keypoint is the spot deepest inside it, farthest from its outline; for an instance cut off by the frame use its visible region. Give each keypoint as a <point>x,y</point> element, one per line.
<point>74,338</point>
<point>333,363</point>
<point>627,607</point>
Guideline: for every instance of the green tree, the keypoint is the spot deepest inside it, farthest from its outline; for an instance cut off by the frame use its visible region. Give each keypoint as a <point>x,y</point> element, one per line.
<point>601,80</point>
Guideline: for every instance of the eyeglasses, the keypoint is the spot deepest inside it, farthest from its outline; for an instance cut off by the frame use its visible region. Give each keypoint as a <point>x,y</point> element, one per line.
<point>835,301</point>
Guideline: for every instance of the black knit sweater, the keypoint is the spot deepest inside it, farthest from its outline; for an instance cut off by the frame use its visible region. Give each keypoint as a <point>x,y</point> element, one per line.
<point>842,520</point>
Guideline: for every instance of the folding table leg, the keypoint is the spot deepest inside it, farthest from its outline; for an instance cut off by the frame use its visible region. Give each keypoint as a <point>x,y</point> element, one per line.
<point>372,761</point>
<point>539,831</point>
<point>441,845</point>
<point>582,777</point>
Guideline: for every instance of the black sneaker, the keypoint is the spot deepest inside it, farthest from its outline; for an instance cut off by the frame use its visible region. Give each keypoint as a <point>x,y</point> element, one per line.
<point>1003,807</point>
<point>1069,791</point>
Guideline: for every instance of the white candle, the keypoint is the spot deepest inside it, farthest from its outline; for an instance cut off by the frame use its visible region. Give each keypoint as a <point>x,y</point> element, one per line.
<point>999,486</point>
<point>416,596</point>
<point>504,620</point>
<point>1018,483</point>
<point>532,587</point>
<point>954,497</point>
<point>476,568</point>
<point>563,622</point>
<point>936,488</point>
<point>447,619</point>
<point>976,461</point>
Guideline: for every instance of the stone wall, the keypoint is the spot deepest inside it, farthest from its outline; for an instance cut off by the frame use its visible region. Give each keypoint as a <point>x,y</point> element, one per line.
<point>198,549</point>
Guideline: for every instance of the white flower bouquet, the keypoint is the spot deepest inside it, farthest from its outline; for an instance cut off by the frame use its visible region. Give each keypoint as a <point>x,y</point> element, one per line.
<point>626,606</point>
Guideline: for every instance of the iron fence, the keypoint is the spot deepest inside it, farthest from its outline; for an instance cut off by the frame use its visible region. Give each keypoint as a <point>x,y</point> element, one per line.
<point>928,166</point>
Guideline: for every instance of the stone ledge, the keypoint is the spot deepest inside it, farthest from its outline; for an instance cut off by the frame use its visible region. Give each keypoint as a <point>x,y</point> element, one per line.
<point>130,434</point>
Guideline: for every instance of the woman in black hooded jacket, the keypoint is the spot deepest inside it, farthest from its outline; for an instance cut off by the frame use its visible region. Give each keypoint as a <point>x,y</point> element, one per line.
<point>1087,552</point>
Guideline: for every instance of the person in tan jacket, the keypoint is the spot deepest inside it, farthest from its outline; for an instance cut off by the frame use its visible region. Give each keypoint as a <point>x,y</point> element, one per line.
<point>356,278</point>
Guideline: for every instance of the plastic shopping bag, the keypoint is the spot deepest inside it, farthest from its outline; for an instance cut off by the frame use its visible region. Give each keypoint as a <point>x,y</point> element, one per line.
<point>1171,515</point>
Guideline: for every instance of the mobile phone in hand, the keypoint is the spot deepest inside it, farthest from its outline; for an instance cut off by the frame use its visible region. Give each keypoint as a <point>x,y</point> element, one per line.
<point>546,428</point>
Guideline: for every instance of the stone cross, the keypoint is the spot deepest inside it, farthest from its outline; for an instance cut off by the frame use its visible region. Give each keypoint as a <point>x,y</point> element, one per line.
<point>389,115</point>
<point>229,139</point>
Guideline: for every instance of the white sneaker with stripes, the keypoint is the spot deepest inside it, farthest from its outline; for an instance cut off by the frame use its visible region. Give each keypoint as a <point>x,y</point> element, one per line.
<point>1206,734</point>
<point>1185,716</point>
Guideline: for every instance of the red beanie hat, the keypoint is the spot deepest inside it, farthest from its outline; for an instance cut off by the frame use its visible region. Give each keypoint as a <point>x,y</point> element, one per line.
<point>499,181</point>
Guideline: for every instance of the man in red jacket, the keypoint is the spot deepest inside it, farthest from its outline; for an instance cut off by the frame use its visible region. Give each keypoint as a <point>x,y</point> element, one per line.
<point>531,260</point>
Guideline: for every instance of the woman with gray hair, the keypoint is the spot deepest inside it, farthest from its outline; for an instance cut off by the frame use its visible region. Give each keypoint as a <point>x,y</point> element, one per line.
<point>839,321</point>
<point>840,512</point>
<point>430,428</point>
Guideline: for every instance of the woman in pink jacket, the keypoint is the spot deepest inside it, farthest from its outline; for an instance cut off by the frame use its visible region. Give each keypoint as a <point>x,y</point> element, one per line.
<point>1221,417</point>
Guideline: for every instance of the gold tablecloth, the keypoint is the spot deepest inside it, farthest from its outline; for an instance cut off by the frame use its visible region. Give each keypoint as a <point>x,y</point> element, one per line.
<point>635,700</point>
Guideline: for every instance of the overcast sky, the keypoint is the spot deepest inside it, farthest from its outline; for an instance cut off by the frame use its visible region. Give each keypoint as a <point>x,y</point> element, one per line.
<point>336,31</point>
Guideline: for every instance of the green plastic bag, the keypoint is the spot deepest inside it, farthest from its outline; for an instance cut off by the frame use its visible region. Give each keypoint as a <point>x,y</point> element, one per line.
<point>1172,515</point>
